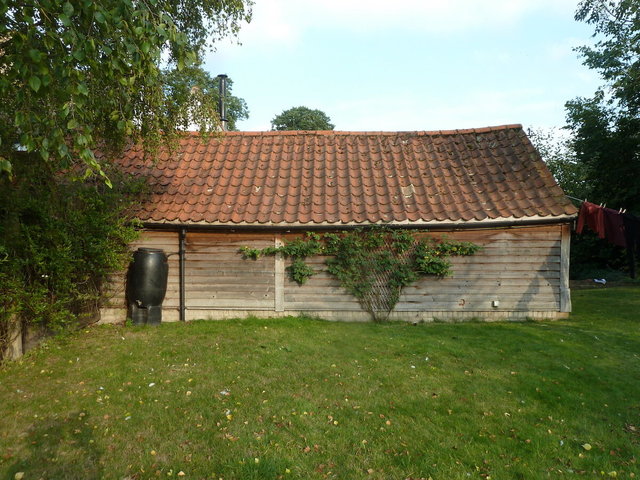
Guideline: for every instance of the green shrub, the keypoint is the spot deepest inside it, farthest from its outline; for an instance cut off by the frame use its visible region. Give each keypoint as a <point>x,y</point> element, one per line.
<point>59,241</point>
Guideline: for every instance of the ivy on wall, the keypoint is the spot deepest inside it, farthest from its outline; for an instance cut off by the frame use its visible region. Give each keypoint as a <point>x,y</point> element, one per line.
<point>373,264</point>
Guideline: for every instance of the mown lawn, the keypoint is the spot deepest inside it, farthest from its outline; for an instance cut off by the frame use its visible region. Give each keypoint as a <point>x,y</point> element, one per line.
<point>301,398</point>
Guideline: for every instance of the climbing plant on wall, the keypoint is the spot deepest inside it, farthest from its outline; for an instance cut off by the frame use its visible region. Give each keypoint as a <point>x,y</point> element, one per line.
<point>373,264</point>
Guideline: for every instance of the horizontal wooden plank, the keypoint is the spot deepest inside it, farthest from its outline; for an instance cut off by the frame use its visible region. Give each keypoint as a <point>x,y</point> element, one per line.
<point>224,247</point>
<point>479,307</point>
<point>502,274</point>
<point>222,274</point>
<point>200,238</point>
<point>501,267</point>
<point>512,234</point>
<point>436,307</point>
<point>428,299</point>
<point>249,265</point>
<point>474,259</point>
<point>240,290</point>
<point>156,236</point>
<point>521,232</point>
<point>453,284</point>
<point>320,305</point>
<point>511,250</point>
<point>511,259</point>
<point>230,260</point>
<point>219,252</point>
<point>543,296</point>
<point>230,303</point>
<point>199,298</point>
<point>205,237</point>
<point>235,268</point>
<point>210,280</point>
<point>293,289</point>
<point>478,289</point>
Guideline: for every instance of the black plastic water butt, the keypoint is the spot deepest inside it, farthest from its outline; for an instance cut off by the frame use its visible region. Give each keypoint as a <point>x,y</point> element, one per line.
<point>147,285</point>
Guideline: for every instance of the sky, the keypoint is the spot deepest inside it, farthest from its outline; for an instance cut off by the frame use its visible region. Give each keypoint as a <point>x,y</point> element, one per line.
<point>409,65</point>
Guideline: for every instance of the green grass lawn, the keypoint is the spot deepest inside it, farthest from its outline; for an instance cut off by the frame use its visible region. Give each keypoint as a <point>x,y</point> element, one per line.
<point>302,398</point>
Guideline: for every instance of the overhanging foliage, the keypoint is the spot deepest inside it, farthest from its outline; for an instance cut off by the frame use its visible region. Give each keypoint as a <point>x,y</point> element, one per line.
<point>77,74</point>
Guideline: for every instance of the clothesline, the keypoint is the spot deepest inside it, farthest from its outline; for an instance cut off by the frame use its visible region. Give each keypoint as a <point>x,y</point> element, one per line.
<point>622,210</point>
<point>617,227</point>
<point>576,199</point>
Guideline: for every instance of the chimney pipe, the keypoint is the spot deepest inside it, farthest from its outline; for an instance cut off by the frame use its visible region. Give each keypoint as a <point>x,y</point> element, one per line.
<point>222,93</point>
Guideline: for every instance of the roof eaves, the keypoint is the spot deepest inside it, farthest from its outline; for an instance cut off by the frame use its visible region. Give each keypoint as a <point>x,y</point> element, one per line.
<point>503,222</point>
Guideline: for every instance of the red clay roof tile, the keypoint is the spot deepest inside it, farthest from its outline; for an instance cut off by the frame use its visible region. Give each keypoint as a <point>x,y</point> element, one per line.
<point>339,178</point>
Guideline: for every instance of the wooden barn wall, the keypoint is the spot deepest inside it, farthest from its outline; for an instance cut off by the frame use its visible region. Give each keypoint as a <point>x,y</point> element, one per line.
<point>216,276</point>
<point>519,268</point>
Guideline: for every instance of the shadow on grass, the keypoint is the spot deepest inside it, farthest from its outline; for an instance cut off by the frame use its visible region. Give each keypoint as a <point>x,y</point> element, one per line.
<point>60,448</point>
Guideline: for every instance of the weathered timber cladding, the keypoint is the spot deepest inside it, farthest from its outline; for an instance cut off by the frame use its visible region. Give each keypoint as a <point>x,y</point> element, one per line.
<point>522,269</point>
<point>217,277</point>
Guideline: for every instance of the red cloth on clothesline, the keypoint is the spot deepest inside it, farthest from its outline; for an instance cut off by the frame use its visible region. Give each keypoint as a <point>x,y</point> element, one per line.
<point>614,227</point>
<point>605,222</point>
<point>593,216</point>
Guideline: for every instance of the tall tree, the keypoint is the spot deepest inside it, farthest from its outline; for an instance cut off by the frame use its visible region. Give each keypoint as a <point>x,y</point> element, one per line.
<point>193,96</point>
<point>557,152</point>
<point>77,74</point>
<point>606,127</point>
<point>302,118</point>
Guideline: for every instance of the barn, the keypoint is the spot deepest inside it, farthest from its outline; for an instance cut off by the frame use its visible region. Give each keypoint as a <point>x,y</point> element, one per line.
<point>488,185</point>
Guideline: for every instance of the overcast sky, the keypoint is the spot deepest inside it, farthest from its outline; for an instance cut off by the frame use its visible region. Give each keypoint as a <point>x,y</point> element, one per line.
<point>409,64</point>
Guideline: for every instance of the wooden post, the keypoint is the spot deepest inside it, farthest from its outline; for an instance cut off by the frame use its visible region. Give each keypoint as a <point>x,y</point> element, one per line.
<point>279,278</point>
<point>565,291</point>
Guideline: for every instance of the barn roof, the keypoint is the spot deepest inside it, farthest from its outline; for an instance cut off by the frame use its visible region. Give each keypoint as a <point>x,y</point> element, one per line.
<point>330,178</point>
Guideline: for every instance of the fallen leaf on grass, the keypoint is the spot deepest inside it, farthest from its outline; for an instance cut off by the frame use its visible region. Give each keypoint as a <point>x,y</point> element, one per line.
<point>586,446</point>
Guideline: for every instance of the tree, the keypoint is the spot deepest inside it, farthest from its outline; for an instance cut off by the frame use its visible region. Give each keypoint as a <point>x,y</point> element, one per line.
<point>606,127</point>
<point>557,152</point>
<point>302,118</point>
<point>192,98</point>
<point>80,74</point>
<point>604,151</point>
<point>77,76</point>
